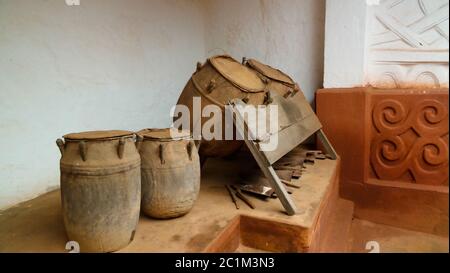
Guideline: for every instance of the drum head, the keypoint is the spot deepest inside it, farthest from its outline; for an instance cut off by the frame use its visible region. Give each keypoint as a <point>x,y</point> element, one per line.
<point>238,74</point>
<point>98,135</point>
<point>270,72</point>
<point>165,134</point>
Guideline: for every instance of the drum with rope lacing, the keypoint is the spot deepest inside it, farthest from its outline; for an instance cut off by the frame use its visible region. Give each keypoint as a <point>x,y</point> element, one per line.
<point>221,79</point>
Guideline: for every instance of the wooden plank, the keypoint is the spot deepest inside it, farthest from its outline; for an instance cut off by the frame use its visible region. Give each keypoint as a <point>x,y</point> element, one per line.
<point>296,122</point>
<point>263,164</point>
<point>326,144</point>
<point>291,137</point>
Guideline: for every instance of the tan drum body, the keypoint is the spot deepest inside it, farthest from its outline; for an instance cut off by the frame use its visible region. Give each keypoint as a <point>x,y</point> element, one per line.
<point>170,173</point>
<point>100,193</point>
<point>222,79</point>
<point>275,79</point>
<point>282,84</point>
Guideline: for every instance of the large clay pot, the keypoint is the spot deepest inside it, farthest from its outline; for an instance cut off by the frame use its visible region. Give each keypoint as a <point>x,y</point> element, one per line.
<point>222,79</point>
<point>100,189</point>
<point>170,172</point>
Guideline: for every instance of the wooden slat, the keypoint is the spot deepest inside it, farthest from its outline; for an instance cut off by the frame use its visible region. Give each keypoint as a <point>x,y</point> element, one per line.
<point>264,165</point>
<point>326,144</point>
<point>296,122</point>
<point>291,137</point>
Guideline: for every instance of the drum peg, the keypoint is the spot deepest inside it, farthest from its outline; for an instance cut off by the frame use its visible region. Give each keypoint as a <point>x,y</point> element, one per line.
<point>263,79</point>
<point>211,85</point>
<point>139,140</point>
<point>268,99</point>
<point>83,150</point>
<point>190,148</point>
<point>121,147</point>
<point>296,90</point>
<point>244,60</point>
<point>61,145</point>
<point>199,66</point>
<point>245,100</point>
<point>161,153</point>
<point>287,94</point>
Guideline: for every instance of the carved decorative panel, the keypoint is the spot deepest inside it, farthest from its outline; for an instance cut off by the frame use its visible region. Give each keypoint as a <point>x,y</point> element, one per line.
<point>407,44</point>
<point>410,138</point>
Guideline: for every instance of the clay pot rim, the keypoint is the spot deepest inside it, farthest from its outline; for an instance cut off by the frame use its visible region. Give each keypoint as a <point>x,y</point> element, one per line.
<point>146,134</point>
<point>100,135</point>
<point>271,72</point>
<point>244,87</point>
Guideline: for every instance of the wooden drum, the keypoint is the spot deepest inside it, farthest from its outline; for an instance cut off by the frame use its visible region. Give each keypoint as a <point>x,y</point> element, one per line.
<point>222,79</point>
<point>100,189</point>
<point>170,172</point>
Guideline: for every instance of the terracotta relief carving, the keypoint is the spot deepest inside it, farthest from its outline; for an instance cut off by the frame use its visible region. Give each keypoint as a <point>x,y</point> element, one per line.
<point>410,140</point>
<point>408,44</point>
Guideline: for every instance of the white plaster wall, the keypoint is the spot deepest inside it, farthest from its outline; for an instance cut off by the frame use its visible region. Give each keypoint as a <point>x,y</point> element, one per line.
<point>106,64</point>
<point>407,43</point>
<point>386,43</point>
<point>345,35</point>
<point>286,34</point>
<point>121,64</point>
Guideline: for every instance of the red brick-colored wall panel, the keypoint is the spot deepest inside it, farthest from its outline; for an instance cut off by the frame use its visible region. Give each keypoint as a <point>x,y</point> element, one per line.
<point>393,146</point>
<point>409,136</point>
<point>342,113</point>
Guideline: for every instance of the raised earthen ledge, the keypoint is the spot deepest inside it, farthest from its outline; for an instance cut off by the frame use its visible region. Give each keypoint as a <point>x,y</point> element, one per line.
<point>210,217</point>
<point>214,211</point>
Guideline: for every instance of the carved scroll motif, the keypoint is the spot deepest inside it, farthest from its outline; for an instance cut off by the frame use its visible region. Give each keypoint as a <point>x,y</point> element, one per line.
<point>410,139</point>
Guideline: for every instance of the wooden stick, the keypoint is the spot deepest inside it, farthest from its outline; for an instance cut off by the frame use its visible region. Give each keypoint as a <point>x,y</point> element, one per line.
<point>233,197</point>
<point>243,198</point>
<point>289,184</point>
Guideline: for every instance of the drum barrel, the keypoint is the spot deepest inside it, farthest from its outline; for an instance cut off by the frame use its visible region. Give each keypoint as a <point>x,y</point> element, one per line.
<point>170,171</point>
<point>100,192</point>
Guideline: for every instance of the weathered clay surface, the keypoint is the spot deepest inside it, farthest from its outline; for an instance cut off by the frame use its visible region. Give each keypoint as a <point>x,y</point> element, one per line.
<point>170,175</point>
<point>100,194</point>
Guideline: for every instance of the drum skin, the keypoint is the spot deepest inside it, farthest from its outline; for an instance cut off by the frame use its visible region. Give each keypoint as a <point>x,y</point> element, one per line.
<point>101,193</point>
<point>221,79</point>
<point>170,173</point>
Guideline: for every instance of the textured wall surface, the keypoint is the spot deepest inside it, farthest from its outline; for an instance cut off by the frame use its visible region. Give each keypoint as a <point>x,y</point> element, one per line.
<point>345,35</point>
<point>386,43</point>
<point>287,34</point>
<point>121,64</point>
<point>396,168</point>
<point>409,138</point>
<point>102,65</point>
<point>407,44</point>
